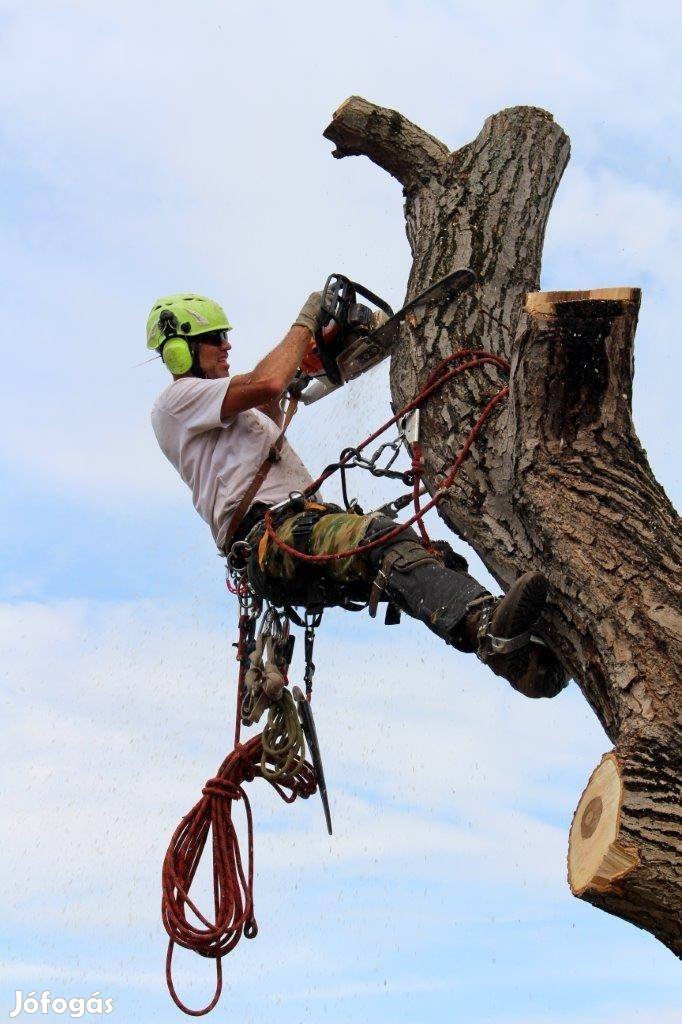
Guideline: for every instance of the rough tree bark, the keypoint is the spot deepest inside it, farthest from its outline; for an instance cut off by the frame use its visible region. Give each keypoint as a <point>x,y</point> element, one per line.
<point>559,480</point>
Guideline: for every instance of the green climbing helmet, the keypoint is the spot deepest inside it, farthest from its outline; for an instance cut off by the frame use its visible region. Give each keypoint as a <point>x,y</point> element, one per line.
<point>178,319</point>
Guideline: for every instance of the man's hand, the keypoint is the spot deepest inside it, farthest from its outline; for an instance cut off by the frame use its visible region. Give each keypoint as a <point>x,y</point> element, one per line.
<point>311,314</point>
<point>311,362</point>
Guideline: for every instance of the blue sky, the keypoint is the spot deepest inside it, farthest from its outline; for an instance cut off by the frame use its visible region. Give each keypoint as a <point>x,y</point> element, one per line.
<point>147,151</point>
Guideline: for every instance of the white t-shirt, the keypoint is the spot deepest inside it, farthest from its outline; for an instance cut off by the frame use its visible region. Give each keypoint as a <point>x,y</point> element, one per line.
<point>219,460</point>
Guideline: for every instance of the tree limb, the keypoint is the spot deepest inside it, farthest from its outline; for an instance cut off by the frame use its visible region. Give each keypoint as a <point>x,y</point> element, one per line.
<point>410,154</point>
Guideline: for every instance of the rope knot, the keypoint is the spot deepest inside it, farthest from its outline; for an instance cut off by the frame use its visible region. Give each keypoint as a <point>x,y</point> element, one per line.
<point>223,788</point>
<point>244,762</point>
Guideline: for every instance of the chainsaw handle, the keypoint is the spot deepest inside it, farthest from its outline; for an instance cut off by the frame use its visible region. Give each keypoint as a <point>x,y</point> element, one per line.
<point>374,299</point>
<point>339,296</point>
<point>339,293</point>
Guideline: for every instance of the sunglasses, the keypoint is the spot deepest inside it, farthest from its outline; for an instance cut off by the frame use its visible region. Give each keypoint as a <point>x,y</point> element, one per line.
<point>215,338</point>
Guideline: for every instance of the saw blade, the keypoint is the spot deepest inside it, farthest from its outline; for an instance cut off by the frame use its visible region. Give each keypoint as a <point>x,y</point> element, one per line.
<point>305,713</point>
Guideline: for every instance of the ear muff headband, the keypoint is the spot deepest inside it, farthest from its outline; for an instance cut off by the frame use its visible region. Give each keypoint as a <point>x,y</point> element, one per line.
<point>176,355</point>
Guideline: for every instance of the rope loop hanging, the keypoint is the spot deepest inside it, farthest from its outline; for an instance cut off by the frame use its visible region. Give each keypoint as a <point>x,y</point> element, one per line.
<point>232,885</point>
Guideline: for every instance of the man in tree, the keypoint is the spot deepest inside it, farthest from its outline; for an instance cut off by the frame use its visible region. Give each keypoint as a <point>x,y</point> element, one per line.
<point>217,431</point>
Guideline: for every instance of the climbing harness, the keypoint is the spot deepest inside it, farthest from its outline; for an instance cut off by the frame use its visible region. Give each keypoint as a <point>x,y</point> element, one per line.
<point>264,653</point>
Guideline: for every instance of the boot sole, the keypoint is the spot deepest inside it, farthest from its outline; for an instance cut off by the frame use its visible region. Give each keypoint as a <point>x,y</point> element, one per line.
<point>521,606</point>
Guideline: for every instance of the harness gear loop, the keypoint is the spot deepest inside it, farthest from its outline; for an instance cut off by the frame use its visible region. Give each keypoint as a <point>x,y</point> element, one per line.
<point>233,880</point>
<point>266,675</point>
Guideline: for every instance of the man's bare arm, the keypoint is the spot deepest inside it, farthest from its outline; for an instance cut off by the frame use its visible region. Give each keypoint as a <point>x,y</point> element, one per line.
<point>266,383</point>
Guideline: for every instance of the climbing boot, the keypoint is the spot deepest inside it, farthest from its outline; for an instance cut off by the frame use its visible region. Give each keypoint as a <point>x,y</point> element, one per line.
<point>544,675</point>
<point>504,640</point>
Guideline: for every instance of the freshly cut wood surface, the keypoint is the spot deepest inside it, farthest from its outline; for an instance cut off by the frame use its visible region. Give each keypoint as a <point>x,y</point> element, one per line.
<point>595,858</point>
<point>546,302</point>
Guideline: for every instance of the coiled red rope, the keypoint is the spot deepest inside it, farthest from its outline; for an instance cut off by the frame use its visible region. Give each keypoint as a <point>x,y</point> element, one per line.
<point>440,376</point>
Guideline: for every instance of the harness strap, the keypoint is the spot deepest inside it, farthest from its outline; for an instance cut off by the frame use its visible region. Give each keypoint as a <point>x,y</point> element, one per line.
<point>381,579</point>
<point>303,528</point>
<point>254,487</point>
<point>402,556</point>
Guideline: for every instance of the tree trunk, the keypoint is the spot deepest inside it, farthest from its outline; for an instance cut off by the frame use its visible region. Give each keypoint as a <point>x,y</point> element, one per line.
<point>558,481</point>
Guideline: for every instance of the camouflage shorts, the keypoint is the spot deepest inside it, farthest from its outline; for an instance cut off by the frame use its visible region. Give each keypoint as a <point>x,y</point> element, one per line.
<point>269,567</point>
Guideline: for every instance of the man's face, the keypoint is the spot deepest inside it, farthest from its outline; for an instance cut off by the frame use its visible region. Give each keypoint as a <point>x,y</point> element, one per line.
<point>213,358</point>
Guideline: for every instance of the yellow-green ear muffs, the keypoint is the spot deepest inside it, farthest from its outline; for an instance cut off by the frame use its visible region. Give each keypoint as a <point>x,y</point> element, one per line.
<point>176,355</point>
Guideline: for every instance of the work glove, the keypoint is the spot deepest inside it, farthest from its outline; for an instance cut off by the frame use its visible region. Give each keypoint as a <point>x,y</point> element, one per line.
<point>311,314</point>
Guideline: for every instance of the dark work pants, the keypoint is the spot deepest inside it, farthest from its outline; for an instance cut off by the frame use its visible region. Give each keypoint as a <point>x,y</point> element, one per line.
<point>429,591</point>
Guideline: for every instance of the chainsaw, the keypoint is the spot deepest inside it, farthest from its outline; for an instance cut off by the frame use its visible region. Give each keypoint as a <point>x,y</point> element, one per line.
<point>354,337</point>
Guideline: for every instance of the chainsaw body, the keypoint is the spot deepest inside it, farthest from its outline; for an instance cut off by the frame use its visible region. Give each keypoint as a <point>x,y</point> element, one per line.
<point>347,352</point>
<point>354,336</point>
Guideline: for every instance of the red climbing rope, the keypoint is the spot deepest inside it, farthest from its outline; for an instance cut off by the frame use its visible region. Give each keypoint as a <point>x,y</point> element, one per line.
<point>440,376</point>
